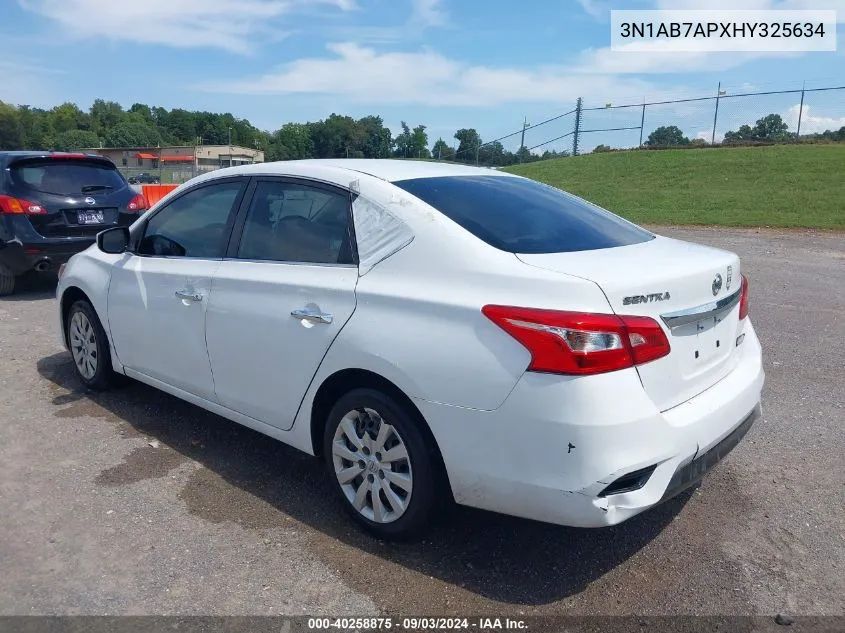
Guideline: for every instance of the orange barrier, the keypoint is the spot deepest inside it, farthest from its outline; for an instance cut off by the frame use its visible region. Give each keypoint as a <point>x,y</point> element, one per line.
<point>154,193</point>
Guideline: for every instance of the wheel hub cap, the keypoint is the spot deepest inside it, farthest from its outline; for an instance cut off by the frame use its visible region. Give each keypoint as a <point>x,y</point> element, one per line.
<point>372,466</point>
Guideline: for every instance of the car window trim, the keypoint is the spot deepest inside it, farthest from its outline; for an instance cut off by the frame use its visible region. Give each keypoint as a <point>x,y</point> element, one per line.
<point>246,202</point>
<point>227,232</point>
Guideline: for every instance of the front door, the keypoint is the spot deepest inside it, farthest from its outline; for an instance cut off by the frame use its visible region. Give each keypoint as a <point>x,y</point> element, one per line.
<point>158,295</point>
<point>280,299</point>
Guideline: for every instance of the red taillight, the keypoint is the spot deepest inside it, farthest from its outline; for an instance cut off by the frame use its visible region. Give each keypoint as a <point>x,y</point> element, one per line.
<point>137,204</point>
<point>581,343</point>
<point>16,206</point>
<point>743,298</point>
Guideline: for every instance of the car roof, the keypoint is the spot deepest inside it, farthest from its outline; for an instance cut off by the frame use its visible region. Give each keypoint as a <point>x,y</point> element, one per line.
<point>9,156</point>
<point>391,170</point>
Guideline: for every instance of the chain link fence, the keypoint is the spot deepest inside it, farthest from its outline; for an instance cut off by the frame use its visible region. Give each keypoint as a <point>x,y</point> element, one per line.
<point>729,116</point>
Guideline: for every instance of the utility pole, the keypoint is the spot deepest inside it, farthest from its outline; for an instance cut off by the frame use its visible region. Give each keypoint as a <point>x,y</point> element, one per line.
<point>642,124</point>
<point>577,132</point>
<point>230,146</point>
<point>719,93</point>
<point>522,139</point>
<point>801,110</point>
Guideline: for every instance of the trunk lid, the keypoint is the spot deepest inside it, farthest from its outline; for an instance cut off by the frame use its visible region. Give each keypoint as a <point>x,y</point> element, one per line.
<point>692,291</point>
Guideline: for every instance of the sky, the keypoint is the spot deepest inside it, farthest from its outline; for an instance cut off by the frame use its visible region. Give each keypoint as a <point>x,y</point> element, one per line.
<point>447,64</point>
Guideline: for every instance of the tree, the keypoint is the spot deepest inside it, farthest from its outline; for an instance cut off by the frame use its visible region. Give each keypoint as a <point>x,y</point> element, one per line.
<point>132,134</point>
<point>744,133</point>
<point>68,117</point>
<point>667,136</point>
<point>419,143</point>
<point>291,142</point>
<point>76,139</point>
<point>11,129</point>
<point>468,143</point>
<point>403,141</point>
<point>441,151</point>
<point>378,140</point>
<point>601,148</point>
<point>771,128</point>
<point>105,115</point>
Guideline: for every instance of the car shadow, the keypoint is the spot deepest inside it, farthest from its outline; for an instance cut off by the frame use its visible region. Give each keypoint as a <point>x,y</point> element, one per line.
<point>33,287</point>
<point>510,560</point>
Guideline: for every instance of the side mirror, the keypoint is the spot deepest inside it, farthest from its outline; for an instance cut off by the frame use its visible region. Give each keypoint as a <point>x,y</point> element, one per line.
<point>114,241</point>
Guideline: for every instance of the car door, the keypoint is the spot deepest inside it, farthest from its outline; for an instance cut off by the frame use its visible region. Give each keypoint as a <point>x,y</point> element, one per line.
<point>281,296</point>
<point>159,293</point>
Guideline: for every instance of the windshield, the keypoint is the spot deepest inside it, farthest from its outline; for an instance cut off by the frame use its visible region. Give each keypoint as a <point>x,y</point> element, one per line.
<point>66,177</point>
<point>518,215</point>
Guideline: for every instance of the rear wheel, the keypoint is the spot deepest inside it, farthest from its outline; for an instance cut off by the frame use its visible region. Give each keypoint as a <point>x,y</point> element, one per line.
<point>7,281</point>
<point>381,464</point>
<point>89,346</point>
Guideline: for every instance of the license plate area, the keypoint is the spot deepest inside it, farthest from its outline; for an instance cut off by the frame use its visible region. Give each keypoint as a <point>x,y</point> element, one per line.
<point>90,217</point>
<point>703,342</point>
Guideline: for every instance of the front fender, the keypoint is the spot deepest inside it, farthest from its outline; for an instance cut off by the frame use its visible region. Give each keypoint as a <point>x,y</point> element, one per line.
<point>90,273</point>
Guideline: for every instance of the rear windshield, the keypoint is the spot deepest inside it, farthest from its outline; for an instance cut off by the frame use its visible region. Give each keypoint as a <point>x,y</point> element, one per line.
<point>518,215</point>
<point>66,176</point>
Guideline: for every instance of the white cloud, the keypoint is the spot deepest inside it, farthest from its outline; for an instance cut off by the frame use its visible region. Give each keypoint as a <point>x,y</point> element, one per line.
<point>223,24</point>
<point>428,13</point>
<point>363,75</point>
<point>594,8</point>
<point>811,123</point>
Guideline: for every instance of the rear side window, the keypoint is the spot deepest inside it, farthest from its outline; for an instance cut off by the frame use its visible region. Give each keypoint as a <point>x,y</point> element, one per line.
<point>523,216</point>
<point>293,222</point>
<point>66,177</point>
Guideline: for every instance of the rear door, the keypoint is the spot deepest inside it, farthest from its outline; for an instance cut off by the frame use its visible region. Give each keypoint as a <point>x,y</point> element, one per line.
<point>80,195</point>
<point>159,294</point>
<point>281,296</point>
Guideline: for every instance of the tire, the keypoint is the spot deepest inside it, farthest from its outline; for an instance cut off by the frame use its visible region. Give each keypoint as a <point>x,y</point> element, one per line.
<point>89,346</point>
<point>407,487</point>
<point>7,281</point>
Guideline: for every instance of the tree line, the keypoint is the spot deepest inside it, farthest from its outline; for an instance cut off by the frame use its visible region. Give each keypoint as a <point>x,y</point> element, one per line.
<point>768,129</point>
<point>66,127</point>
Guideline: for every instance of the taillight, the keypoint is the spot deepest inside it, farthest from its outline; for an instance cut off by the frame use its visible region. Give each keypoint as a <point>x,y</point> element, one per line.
<point>743,298</point>
<point>17,206</point>
<point>581,343</point>
<point>137,204</point>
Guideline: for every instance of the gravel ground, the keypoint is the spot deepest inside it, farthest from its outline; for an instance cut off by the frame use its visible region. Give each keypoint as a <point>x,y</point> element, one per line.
<point>133,502</point>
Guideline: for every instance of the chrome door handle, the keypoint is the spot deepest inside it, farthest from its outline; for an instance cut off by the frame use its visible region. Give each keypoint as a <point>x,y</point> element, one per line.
<point>312,315</point>
<point>187,295</point>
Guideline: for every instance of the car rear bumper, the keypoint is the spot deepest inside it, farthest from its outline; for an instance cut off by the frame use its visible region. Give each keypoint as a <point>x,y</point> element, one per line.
<point>555,448</point>
<point>43,255</point>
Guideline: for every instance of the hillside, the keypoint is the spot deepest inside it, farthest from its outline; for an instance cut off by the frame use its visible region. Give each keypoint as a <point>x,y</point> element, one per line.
<point>778,186</point>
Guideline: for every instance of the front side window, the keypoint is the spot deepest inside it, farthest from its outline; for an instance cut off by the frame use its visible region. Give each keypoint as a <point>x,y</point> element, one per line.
<point>518,215</point>
<point>292,222</point>
<point>193,225</point>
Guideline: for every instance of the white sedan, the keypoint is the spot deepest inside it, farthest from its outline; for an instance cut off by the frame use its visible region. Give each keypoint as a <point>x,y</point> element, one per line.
<point>435,332</point>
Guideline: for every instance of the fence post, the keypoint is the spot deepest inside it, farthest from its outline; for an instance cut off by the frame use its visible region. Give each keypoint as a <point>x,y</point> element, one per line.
<point>800,110</point>
<point>576,133</point>
<point>716,114</point>
<point>642,125</point>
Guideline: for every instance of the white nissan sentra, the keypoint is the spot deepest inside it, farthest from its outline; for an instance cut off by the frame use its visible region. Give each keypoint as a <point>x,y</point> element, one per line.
<point>433,331</point>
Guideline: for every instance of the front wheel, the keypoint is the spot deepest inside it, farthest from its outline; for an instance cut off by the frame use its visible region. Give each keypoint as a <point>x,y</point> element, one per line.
<point>381,464</point>
<point>89,346</point>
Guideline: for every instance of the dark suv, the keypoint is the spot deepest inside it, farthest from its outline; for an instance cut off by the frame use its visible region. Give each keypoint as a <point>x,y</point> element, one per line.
<point>143,178</point>
<point>52,205</point>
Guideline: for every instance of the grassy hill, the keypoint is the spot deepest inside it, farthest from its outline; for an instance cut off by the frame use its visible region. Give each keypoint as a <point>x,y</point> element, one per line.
<point>778,186</point>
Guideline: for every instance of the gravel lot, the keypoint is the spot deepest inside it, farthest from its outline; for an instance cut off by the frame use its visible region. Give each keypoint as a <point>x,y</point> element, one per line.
<point>133,502</point>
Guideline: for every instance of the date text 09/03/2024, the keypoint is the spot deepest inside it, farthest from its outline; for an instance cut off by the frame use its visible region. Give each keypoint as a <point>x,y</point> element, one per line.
<point>417,623</point>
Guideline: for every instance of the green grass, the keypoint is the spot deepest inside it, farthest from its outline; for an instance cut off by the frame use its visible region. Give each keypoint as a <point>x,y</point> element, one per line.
<point>776,186</point>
